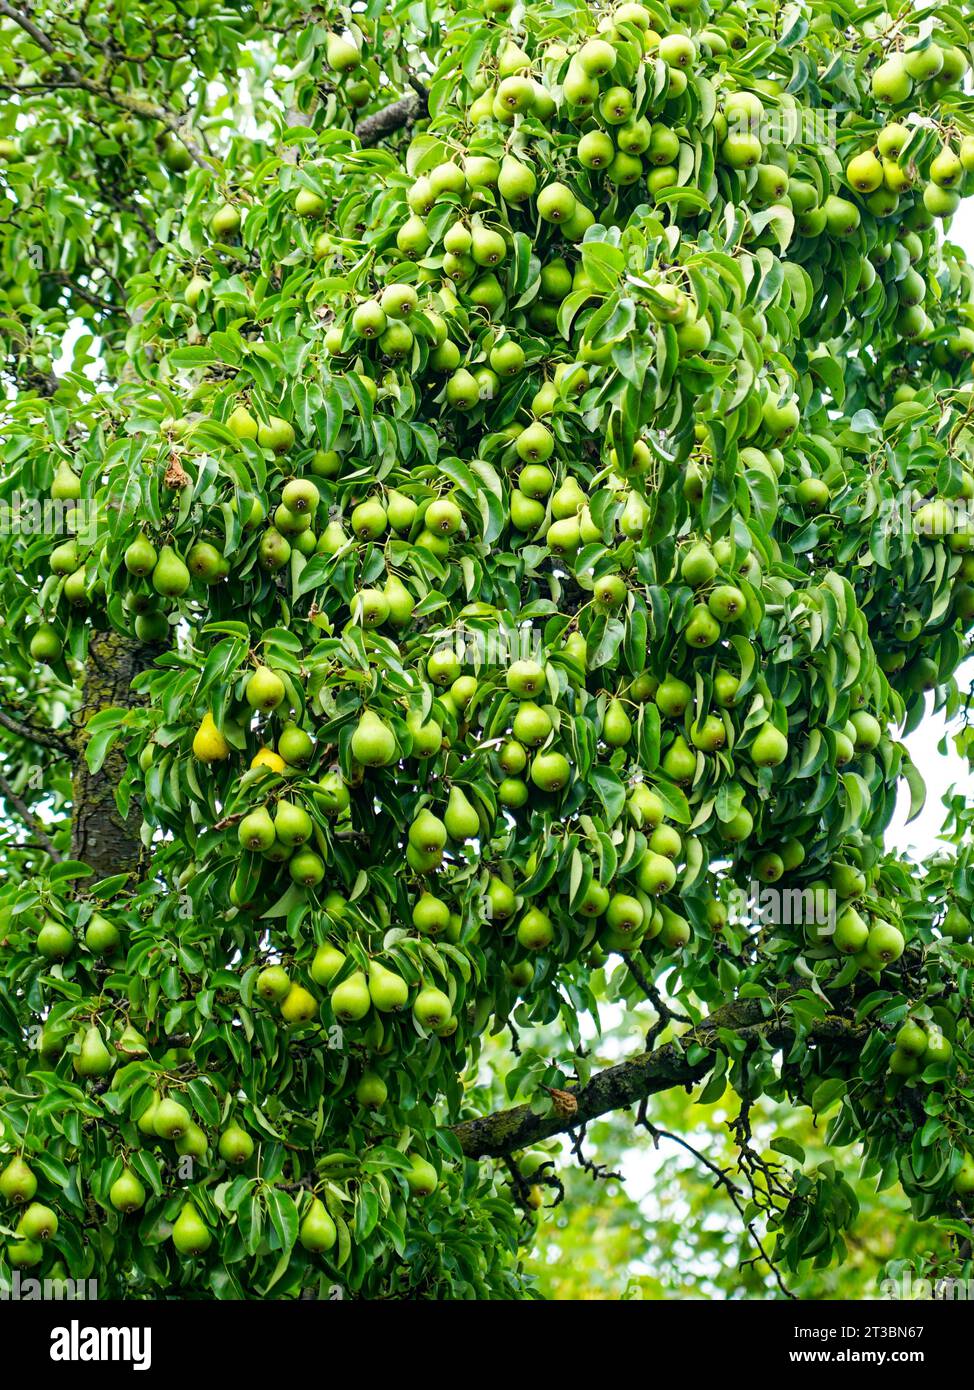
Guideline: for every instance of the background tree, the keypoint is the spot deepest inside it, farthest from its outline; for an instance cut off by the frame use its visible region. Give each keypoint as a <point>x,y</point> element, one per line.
<point>485,490</point>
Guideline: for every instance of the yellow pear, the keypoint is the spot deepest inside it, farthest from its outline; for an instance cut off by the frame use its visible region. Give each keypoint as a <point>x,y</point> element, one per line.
<point>209,745</point>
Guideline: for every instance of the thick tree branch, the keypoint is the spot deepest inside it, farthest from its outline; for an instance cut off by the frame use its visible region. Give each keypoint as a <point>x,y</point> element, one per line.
<point>392,118</point>
<point>30,820</point>
<point>617,1088</point>
<point>43,737</point>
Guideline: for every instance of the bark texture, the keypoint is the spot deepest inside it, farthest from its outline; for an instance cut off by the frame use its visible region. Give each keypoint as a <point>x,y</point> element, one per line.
<point>507,1131</point>
<point>391,118</point>
<point>100,837</point>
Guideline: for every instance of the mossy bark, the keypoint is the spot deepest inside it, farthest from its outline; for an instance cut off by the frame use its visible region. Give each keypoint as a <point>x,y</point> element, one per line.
<point>617,1088</point>
<point>100,836</point>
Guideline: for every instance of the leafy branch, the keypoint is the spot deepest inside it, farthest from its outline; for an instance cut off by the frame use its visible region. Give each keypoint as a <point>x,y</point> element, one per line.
<point>74,77</point>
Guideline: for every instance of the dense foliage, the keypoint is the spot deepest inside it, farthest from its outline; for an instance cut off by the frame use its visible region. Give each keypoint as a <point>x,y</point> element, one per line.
<point>485,493</point>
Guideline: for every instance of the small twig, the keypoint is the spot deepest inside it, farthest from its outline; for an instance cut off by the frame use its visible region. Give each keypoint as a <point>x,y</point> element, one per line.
<point>598,1171</point>
<point>722,1179</point>
<point>665,1013</point>
<point>29,819</point>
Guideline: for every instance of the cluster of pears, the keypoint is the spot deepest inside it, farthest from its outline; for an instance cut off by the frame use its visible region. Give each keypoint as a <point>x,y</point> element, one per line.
<point>841,923</point>
<point>55,940</point>
<point>352,993</point>
<point>37,1222</point>
<point>166,1117</point>
<point>918,1046</point>
<point>282,838</point>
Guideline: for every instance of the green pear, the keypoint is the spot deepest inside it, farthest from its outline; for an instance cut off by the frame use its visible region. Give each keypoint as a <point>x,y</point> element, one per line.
<point>205,562</point>
<point>420,1177</point>
<point>94,1059</point>
<point>616,725</point>
<point>550,771</point>
<point>306,868</point>
<point>673,696</point>
<point>535,931</point>
<point>675,931</point>
<point>371,1091</point>
<point>851,932</point>
<point>399,600</point>
<point>140,557</point>
<point>235,1145</point>
<point>45,644</point>
<point>65,558</point>
<point>656,874</point>
<point>225,221</point>
<point>317,1231</point>
<point>189,1234</point>
<point>131,1043</point>
<point>66,486</point>
<point>351,1001</point>
<point>964,1181</point>
<point>277,435</point>
<point>54,940</point>
<point>146,1121</point>
<point>17,1182</point>
<point>25,1254</point>
<point>387,990</point>
<point>430,915</point>
<point>373,742</point>
<point>101,936</point>
<point>515,182</point>
<point>171,1119</point>
<point>460,818</point>
<point>526,678</point>
<point>192,1143</point>
<point>427,735</point>
<point>532,724</point>
<point>295,746</point>
<point>126,1193</point>
<point>274,551</point>
<point>431,1007</point>
<point>680,762</point>
<point>292,824</point>
<point>170,577</point>
<point>427,832</point>
<point>327,962</point>
<point>333,795</point>
<point>770,747</point>
<point>885,943</point>
<point>256,831</point>
<point>264,690</point>
<point>912,1039</point>
<point>698,565</point>
<point>702,630</point>
<point>241,423</point>
<point>500,899</point>
<point>299,1005</point>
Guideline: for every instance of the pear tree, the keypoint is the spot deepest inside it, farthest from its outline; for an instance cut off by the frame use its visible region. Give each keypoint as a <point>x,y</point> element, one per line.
<point>483,503</point>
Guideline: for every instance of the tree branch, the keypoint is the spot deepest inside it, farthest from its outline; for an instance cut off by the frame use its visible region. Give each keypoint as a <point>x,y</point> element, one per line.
<point>723,1179</point>
<point>29,819</point>
<point>392,118</point>
<point>43,737</point>
<point>618,1087</point>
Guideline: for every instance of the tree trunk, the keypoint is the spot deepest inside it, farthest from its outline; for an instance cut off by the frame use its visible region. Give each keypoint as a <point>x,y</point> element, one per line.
<point>100,837</point>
